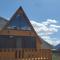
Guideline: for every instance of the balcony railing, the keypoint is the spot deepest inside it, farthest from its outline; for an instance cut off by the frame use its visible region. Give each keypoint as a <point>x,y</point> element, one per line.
<point>25,54</point>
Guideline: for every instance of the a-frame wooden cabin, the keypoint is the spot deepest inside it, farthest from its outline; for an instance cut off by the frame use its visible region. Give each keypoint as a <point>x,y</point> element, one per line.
<point>18,40</point>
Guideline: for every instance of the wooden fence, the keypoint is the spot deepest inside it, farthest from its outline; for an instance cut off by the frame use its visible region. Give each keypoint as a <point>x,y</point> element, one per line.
<point>25,54</point>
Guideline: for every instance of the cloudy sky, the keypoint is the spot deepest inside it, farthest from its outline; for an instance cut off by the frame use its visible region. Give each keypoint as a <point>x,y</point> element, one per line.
<point>43,14</point>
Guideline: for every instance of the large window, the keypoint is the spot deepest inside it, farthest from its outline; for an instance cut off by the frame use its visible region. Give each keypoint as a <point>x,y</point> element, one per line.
<point>17,42</point>
<point>19,23</point>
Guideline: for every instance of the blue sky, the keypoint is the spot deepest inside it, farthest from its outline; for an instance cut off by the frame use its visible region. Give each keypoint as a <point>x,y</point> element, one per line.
<point>38,11</point>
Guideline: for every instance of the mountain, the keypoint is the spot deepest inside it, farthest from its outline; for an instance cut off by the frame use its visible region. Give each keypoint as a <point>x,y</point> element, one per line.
<point>3,22</point>
<point>57,47</point>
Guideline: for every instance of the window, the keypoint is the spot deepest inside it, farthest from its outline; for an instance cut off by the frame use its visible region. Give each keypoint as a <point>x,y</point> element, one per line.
<point>17,42</point>
<point>28,42</point>
<point>19,23</point>
<point>25,42</point>
<point>7,42</point>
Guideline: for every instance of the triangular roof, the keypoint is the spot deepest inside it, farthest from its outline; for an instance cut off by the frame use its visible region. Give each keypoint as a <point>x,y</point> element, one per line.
<point>20,21</point>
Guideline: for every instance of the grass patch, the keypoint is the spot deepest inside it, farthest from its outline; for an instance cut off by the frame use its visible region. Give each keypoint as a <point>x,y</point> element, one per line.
<point>55,56</point>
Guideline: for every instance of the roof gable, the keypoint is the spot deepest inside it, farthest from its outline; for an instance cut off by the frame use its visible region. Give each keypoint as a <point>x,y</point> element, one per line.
<point>19,21</point>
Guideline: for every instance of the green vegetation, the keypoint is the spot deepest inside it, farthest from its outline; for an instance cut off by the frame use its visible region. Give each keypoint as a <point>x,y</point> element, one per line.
<point>55,56</point>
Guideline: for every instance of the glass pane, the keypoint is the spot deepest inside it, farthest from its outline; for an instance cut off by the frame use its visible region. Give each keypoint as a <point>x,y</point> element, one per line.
<point>19,23</point>
<point>28,42</point>
<point>7,42</point>
<point>17,42</point>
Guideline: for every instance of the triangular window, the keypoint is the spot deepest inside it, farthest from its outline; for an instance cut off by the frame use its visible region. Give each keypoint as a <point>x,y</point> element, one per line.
<point>19,23</point>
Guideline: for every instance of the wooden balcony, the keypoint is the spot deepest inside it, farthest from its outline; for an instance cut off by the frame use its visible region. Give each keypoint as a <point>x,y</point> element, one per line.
<point>25,54</point>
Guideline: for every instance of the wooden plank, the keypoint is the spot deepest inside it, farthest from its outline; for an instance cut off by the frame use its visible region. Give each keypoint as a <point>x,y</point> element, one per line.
<point>17,33</point>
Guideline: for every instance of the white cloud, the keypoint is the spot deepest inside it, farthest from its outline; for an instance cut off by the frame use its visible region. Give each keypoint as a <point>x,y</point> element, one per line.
<point>47,28</point>
<point>54,26</point>
<point>49,21</point>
